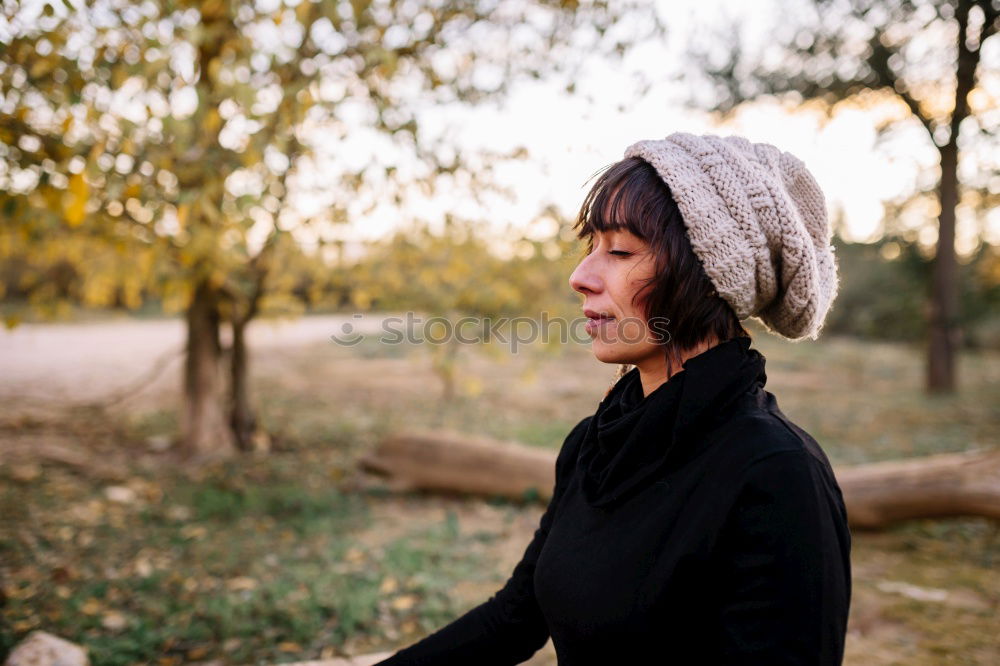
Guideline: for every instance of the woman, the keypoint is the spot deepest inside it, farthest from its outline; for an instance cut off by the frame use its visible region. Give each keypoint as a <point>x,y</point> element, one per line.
<point>691,521</point>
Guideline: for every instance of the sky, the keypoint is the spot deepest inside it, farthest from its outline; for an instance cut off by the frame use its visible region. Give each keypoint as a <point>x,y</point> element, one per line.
<point>568,138</point>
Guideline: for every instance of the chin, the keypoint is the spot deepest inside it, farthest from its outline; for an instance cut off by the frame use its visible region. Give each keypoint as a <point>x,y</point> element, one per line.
<point>610,354</point>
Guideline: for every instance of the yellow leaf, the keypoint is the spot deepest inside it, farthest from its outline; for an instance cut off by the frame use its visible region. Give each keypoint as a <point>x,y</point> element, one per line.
<point>214,66</point>
<point>42,67</point>
<point>114,621</point>
<point>362,298</point>
<point>404,602</point>
<point>182,214</point>
<point>91,606</point>
<point>118,77</point>
<point>212,121</point>
<point>241,583</point>
<point>193,532</point>
<point>251,156</point>
<point>52,196</point>
<point>76,200</point>
<point>198,653</point>
<point>473,386</point>
<point>208,210</point>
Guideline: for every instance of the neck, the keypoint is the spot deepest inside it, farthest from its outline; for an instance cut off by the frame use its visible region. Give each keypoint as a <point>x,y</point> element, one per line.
<point>654,370</point>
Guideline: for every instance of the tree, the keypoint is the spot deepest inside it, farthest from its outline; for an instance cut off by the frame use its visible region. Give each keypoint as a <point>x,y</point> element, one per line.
<point>925,55</point>
<point>468,291</point>
<point>180,139</point>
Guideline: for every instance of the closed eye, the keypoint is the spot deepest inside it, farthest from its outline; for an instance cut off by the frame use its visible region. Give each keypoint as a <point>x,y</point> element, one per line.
<point>620,253</point>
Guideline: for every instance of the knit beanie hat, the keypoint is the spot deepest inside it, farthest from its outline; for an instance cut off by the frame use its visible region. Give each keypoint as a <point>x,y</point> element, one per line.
<point>757,220</point>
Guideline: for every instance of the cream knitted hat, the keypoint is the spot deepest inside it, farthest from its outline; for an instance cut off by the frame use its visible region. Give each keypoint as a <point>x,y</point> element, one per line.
<point>757,220</point>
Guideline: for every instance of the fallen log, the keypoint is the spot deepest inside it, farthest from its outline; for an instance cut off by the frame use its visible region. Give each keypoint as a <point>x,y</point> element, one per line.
<point>946,485</point>
<point>876,494</point>
<point>445,461</point>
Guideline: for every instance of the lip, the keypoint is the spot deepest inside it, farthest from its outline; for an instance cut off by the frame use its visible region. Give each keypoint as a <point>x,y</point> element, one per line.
<point>594,314</point>
<point>596,319</point>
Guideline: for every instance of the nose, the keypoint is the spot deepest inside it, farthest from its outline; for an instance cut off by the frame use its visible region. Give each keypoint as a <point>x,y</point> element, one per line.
<point>584,278</point>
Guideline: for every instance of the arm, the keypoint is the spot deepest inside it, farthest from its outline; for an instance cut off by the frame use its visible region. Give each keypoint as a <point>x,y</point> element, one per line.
<point>785,579</point>
<point>509,627</point>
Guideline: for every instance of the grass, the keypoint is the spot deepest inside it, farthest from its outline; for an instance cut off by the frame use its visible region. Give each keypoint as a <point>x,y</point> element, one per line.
<point>276,559</point>
<point>249,564</point>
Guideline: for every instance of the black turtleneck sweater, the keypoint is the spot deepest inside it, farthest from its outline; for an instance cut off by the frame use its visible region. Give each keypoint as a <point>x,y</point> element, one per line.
<point>694,525</point>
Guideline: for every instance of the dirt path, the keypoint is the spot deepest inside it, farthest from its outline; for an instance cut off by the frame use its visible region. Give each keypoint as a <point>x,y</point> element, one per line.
<point>78,361</point>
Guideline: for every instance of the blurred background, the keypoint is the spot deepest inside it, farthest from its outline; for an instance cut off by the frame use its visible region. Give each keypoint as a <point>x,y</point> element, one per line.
<point>201,201</point>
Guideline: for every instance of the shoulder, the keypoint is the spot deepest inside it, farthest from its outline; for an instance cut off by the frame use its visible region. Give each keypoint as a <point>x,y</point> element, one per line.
<point>750,438</point>
<point>787,474</point>
<point>759,430</point>
<point>777,463</point>
<point>762,446</point>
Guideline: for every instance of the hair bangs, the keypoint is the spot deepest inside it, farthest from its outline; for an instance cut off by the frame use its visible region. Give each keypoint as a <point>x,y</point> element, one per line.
<point>619,200</point>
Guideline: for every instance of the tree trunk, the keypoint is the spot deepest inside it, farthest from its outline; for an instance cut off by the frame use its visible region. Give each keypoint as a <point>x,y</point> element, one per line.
<point>943,325</point>
<point>205,430</point>
<point>876,494</point>
<point>241,416</point>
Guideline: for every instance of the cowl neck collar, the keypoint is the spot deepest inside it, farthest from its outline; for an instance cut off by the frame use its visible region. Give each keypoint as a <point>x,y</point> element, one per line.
<point>631,437</point>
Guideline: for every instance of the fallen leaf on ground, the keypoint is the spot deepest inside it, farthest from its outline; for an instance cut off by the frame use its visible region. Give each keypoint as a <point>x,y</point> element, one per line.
<point>404,602</point>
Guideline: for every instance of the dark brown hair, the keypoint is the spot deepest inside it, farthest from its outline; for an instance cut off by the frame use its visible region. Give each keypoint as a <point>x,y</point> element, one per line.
<point>630,195</point>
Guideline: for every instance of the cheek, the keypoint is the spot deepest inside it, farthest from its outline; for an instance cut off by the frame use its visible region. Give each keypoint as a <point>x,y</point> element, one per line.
<point>624,289</point>
<point>637,288</point>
